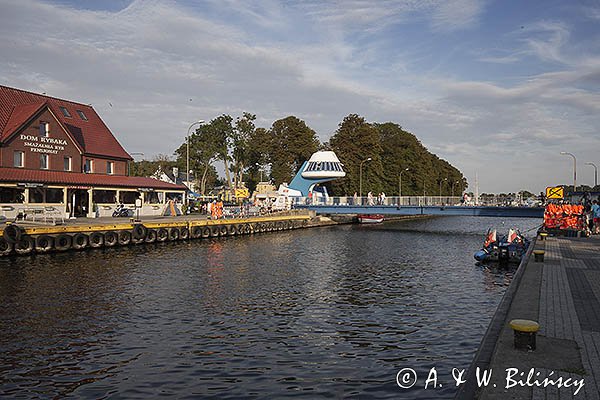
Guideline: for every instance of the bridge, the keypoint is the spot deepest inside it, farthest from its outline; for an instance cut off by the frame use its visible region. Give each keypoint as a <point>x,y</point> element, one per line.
<point>434,205</point>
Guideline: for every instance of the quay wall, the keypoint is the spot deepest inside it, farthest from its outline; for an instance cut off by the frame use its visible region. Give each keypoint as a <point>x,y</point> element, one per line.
<point>483,358</point>
<point>24,239</point>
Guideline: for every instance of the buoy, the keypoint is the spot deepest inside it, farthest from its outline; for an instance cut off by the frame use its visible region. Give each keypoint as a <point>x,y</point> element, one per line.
<point>525,333</point>
<point>25,245</point>
<point>44,243</point>
<point>63,242</point>
<point>111,238</point>
<point>80,241</point>
<point>96,239</point>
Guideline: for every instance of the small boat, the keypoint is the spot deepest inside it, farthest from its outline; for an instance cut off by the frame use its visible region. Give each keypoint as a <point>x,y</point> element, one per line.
<point>504,249</point>
<point>370,218</point>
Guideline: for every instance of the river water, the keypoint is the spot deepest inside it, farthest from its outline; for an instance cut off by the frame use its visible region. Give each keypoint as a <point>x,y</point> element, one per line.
<point>331,312</point>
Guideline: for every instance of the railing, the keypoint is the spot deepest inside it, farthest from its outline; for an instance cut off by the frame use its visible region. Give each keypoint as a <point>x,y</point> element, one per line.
<point>387,201</point>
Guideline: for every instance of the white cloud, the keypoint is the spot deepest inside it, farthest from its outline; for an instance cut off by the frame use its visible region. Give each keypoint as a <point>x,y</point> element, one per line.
<point>163,64</point>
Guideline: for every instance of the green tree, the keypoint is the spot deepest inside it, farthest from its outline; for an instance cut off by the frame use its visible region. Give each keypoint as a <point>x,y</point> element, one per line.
<point>354,142</point>
<point>260,145</point>
<point>204,150</point>
<point>147,168</point>
<point>240,149</point>
<point>292,142</point>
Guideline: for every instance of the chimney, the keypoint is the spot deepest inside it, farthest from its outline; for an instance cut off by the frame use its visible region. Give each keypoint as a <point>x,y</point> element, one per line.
<point>175,173</point>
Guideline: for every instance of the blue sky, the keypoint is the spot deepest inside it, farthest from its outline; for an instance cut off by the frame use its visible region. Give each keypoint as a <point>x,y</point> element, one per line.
<point>497,88</point>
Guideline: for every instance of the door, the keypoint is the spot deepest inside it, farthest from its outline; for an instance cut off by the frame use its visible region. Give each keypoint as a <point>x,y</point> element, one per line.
<point>78,202</point>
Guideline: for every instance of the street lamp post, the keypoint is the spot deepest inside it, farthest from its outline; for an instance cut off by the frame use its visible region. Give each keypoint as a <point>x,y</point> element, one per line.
<point>453,183</point>
<point>360,176</point>
<point>259,170</point>
<point>595,172</point>
<point>441,181</point>
<point>564,153</point>
<point>187,164</point>
<point>400,185</point>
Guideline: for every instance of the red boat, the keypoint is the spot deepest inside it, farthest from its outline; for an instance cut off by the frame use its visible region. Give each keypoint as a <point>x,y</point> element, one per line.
<point>370,218</point>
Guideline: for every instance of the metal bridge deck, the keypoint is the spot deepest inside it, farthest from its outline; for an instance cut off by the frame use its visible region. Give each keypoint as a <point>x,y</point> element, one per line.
<point>475,211</point>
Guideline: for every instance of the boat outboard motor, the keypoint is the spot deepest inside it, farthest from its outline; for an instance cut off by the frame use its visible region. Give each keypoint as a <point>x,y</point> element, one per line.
<point>503,254</point>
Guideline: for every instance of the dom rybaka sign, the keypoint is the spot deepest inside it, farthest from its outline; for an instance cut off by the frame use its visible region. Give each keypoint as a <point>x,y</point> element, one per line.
<point>42,144</point>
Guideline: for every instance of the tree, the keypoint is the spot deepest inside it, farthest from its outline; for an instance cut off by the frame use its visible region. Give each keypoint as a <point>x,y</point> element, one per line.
<point>204,150</point>
<point>260,145</point>
<point>292,143</point>
<point>355,141</point>
<point>148,168</point>
<point>240,150</point>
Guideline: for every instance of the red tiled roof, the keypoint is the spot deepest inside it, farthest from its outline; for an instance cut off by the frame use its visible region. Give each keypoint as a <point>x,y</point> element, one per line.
<point>20,115</point>
<point>21,175</point>
<point>93,136</point>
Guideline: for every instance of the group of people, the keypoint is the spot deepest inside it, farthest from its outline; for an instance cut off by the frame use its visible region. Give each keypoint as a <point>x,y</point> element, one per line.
<point>215,209</point>
<point>372,200</point>
<point>595,217</point>
<point>582,216</point>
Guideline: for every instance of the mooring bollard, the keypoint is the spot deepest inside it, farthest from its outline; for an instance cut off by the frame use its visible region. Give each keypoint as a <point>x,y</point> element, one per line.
<point>525,333</point>
<point>538,255</point>
<point>543,236</point>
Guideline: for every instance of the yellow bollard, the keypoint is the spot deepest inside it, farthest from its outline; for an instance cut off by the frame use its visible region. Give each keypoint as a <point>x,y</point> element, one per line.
<point>538,255</point>
<point>525,333</point>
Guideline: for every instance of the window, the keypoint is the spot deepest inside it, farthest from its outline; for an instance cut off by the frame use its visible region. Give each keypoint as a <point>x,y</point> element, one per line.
<point>127,197</point>
<point>44,129</point>
<point>19,159</point>
<point>152,198</point>
<point>88,166</point>
<point>110,167</point>
<point>67,161</point>
<point>104,196</point>
<point>36,195</point>
<point>82,115</point>
<point>43,161</point>
<point>12,195</point>
<point>65,112</point>
<point>54,196</point>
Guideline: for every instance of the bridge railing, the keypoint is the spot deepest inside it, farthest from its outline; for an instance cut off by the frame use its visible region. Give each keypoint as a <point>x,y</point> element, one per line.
<point>387,201</point>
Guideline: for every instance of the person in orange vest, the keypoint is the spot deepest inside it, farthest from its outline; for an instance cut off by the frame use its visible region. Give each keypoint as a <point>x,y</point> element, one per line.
<point>219,210</point>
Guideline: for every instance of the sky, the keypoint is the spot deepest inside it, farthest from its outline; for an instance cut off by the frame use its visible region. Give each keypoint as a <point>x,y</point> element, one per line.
<point>496,88</point>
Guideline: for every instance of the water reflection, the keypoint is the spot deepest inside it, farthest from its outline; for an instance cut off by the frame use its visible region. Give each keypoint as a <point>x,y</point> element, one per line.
<point>332,312</point>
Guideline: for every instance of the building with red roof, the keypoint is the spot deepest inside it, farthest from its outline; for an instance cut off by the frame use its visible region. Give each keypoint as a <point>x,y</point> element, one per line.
<point>59,153</point>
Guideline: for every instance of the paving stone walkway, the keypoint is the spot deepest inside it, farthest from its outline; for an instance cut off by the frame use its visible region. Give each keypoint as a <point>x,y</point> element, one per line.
<point>570,308</point>
<point>563,295</point>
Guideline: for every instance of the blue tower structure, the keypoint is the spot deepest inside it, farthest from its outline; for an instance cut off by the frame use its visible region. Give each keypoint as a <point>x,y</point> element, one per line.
<point>323,166</point>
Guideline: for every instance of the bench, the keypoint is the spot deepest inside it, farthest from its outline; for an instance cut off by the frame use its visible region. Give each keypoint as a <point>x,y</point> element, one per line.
<point>45,214</point>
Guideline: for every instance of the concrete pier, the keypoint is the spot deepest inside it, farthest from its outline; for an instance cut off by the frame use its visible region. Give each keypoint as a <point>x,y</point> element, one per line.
<point>562,293</point>
<point>23,238</point>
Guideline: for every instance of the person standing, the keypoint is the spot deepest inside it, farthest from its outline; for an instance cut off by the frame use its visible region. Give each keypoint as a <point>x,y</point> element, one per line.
<point>596,212</point>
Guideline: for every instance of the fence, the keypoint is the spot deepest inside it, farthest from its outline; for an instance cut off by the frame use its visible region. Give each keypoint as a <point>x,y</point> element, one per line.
<point>387,201</point>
